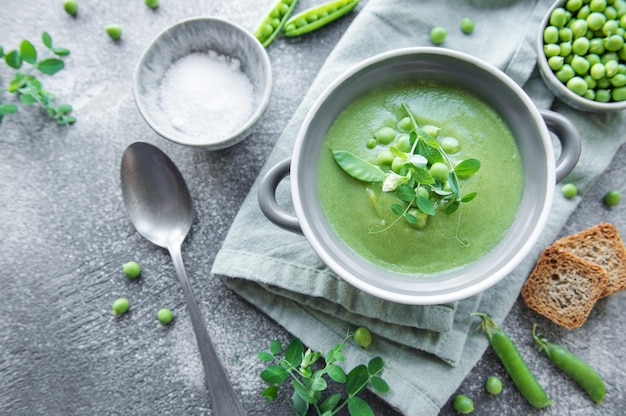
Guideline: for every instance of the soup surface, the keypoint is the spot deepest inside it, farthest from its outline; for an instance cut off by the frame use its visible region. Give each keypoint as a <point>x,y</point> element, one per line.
<point>360,212</point>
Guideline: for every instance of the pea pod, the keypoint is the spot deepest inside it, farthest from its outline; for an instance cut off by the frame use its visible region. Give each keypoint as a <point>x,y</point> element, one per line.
<point>272,24</point>
<point>514,364</point>
<point>316,17</point>
<point>572,365</point>
<point>358,168</point>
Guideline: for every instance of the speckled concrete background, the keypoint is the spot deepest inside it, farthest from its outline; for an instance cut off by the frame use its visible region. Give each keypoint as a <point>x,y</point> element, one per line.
<point>64,233</point>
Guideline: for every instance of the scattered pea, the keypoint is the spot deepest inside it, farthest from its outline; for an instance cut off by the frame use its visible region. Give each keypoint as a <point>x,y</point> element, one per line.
<point>439,171</point>
<point>433,131</point>
<point>371,143</point>
<point>70,7</point>
<point>120,306</point>
<point>463,404</point>
<point>404,143</point>
<point>153,4</point>
<point>362,337</point>
<point>397,164</point>
<point>114,31</point>
<point>493,385</point>
<point>450,145</point>
<point>385,157</point>
<point>405,124</point>
<point>467,25</point>
<point>438,35</point>
<point>131,269</point>
<point>569,190</point>
<point>612,198</point>
<point>385,135</point>
<point>165,316</point>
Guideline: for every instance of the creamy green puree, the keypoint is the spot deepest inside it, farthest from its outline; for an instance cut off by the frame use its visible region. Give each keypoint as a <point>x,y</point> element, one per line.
<point>359,211</point>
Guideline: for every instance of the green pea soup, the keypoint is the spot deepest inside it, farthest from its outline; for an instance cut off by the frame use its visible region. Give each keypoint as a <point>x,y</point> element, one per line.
<point>360,213</point>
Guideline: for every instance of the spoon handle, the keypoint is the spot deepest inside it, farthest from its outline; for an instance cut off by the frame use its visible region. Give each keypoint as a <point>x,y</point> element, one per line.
<point>223,398</point>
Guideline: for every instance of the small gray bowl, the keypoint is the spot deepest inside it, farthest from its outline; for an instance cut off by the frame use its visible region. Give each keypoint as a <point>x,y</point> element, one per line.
<point>200,35</point>
<point>557,87</point>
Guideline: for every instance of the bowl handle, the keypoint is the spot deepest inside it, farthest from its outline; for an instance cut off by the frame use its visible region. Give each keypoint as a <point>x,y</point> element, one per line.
<point>568,135</point>
<point>267,198</point>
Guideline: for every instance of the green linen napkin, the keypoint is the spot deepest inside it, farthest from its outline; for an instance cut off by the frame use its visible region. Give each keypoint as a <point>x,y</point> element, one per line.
<point>428,350</point>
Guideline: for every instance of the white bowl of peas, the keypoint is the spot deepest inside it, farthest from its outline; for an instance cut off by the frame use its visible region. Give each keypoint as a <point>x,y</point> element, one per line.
<point>581,49</point>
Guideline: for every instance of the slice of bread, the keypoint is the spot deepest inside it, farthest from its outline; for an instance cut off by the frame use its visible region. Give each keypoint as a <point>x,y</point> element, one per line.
<point>563,287</point>
<point>602,245</point>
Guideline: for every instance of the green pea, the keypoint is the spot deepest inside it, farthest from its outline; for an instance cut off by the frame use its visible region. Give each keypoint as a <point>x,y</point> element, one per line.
<point>463,404</point>
<point>566,34</point>
<point>569,190</point>
<point>558,17</point>
<point>565,48</point>
<point>593,58</point>
<point>319,16</point>
<point>450,145</point>
<point>300,22</point>
<point>611,68</point>
<point>493,385</point>
<point>589,94</point>
<point>397,164</point>
<point>405,124</point>
<point>131,269</point>
<point>273,22</point>
<point>595,20</point>
<point>603,95</point>
<point>551,50</point>
<point>610,27</point>
<point>385,135</point>
<point>556,62</point>
<point>439,171</point>
<point>610,13</point>
<point>619,94</point>
<point>70,7</point>
<point>597,71</point>
<point>114,31</point>
<point>565,73</point>
<point>385,157</point>
<point>362,337</point>
<point>153,4</point>
<point>551,34</point>
<point>612,198</point>
<point>467,25</point>
<point>404,143</point>
<point>573,5</point>
<point>596,46</point>
<point>120,306</point>
<point>418,219</point>
<point>591,82</point>
<point>583,12</point>
<point>609,56</point>
<point>579,27</point>
<point>618,80</point>
<point>438,35</point>
<point>622,22</point>
<point>577,85</point>
<point>597,5</point>
<point>580,46</point>
<point>433,131</point>
<point>371,143</point>
<point>580,65</point>
<point>165,316</point>
<point>423,192</point>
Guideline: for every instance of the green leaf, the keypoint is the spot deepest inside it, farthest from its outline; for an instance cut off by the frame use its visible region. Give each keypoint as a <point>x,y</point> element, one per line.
<point>452,207</point>
<point>305,394</point>
<point>410,218</point>
<point>430,153</point>
<point>294,352</point>
<point>64,109</point>
<point>405,193</point>
<point>358,168</point>
<point>469,197</point>
<point>50,66</point>
<point>298,405</point>
<point>397,209</point>
<point>356,379</point>
<point>274,374</point>
<point>376,365</point>
<point>398,153</point>
<point>336,373</point>
<point>330,403</point>
<point>425,205</point>
<point>8,109</point>
<point>319,384</point>
<point>359,407</point>
<point>60,51</point>
<point>265,356</point>
<point>28,52</point>
<point>422,176</point>
<point>47,39</point>
<point>13,59</point>
<point>467,168</point>
<point>379,384</point>
<point>27,99</point>
<point>270,393</point>
<point>275,347</point>
<point>1,51</point>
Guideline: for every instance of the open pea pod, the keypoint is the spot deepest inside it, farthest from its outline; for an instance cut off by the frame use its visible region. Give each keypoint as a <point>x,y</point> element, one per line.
<point>316,17</point>
<point>274,20</point>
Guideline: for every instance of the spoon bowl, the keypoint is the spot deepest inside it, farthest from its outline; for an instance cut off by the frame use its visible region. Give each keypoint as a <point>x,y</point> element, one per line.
<point>159,205</point>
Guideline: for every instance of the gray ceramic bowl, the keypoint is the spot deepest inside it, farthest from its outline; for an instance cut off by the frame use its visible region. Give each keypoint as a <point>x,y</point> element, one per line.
<point>529,127</point>
<point>557,87</point>
<point>200,35</point>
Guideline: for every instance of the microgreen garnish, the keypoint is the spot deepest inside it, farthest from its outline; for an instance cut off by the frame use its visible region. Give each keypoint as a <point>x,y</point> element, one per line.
<point>27,87</point>
<point>311,372</point>
<point>424,177</point>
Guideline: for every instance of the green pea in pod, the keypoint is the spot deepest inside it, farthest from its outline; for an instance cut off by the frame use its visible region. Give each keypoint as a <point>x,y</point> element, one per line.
<point>318,16</point>
<point>272,23</point>
<point>572,365</point>
<point>515,366</point>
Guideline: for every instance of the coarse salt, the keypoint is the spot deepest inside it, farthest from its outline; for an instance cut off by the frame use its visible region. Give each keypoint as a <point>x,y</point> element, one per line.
<point>206,95</point>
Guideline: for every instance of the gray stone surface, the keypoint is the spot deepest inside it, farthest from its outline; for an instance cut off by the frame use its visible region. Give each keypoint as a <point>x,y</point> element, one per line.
<point>64,233</point>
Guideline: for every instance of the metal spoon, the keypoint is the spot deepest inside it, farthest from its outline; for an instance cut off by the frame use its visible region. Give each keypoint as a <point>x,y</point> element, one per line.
<point>159,205</point>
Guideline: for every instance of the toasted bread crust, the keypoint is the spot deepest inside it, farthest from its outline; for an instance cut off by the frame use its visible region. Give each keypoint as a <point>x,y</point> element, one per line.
<point>602,245</point>
<point>564,287</point>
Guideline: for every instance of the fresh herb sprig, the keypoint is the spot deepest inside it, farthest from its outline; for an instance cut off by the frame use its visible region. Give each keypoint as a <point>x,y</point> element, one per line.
<point>311,372</point>
<point>27,87</point>
<point>423,176</point>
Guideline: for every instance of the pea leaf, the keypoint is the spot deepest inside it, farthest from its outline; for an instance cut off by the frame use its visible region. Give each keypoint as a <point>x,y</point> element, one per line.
<point>356,379</point>
<point>270,393</point>
<point>410,218</point>
<point>319,384</point>
<point>27,99</point>
<point>275,347</point>
<point>359,407</point>
<point>398,153</point>
<point>425,205</point>
<point>13,59</point>
<point>50,66</point>
<point>405,193</point>
<point>8,109</point>
<point>46,39</point>
<point>422,176</point>
<point>336,373</point>
<point>309,396</point>
<point>375,366</point>
<point>330,403</point>
<point>357,167</point>
<point>430,153</point>
<point>467,168</point>
<point>379,384</point>
<point>469,197</point>
<point>274,374</point>
<point>264,356</point>
<point>397,209</point>
<point>60,51</point>
<point>294,352</point>
<point>451,207</point>
<point>28,52</point>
